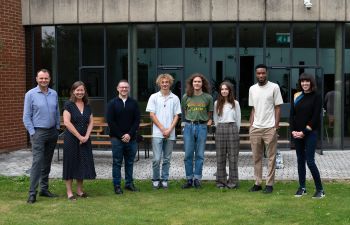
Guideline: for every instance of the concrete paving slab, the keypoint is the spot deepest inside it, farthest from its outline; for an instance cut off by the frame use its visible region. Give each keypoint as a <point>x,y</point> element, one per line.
<point>333,165</point>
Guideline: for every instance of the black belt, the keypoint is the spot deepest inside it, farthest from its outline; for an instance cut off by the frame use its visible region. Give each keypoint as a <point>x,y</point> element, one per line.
<point>196,122</point>
<point>44,128</point>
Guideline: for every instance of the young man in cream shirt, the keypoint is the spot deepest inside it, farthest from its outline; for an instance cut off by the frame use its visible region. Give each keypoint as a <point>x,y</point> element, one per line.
<point>265,99</point>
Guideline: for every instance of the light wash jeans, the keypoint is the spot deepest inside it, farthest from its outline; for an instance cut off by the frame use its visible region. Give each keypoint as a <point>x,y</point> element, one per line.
<point>195,137</point>
<point>161,146</point>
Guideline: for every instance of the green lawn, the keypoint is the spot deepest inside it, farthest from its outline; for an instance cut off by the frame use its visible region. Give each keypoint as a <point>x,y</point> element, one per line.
<point>175,206</point>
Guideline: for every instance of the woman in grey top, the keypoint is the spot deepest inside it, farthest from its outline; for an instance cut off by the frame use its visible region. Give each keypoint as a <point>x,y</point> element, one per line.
<point>227,118</point>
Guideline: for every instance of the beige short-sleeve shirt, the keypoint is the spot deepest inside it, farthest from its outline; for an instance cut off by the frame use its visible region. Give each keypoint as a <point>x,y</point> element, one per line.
<point>264,99</point>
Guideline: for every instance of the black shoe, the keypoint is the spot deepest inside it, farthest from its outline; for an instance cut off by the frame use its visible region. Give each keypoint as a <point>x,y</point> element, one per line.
<point>197,183</point>
<point>118,190</point>
<point>47,194</point>
<point>319,195</point>
<point>300,192</point>
<point>188,184</point>
<point>255,188</point>
<point>31,199</point>
<point>132,188</point>
<point>268,189</point>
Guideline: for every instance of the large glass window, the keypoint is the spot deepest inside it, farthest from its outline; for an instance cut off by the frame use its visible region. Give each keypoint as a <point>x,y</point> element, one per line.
<point>93,80</point>
<point>347,87</point>
<point>277,44</point>
<point>196,50</point>
<point>224,59</point>
<point>92,40</point>
<point>304,49</point>
<point>117,57</point>
<point>332,103</point>
<point>304,44</point>
<point>67,59</point>
<point>170,44</point>
<point>92,66</point>
<point>277,53</point>
<point>251,54</point>
<point>170,53</point>
<point>146,62</point>
<point>82,53</point>
<point>44,51</point>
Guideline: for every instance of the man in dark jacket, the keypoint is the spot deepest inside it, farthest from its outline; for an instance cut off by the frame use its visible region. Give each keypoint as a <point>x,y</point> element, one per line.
<point>123,117</point>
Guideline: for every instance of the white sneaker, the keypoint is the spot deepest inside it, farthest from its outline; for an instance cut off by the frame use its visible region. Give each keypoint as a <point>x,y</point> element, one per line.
<point>165,184</point>
<point>155,184</point>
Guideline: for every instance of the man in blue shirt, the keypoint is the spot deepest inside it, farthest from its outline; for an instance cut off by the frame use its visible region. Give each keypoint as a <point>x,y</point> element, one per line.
<point>42,119</point>
<point>123,117</point>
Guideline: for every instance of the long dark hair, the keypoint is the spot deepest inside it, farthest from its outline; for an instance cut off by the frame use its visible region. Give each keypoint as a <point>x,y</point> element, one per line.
<point>75,86</point>
<point>308,77</point>
<point>221,99</point>
<point>189,84</point>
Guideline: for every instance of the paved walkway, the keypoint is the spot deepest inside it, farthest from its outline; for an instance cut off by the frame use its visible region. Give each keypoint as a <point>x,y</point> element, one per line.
<point>332,165</point>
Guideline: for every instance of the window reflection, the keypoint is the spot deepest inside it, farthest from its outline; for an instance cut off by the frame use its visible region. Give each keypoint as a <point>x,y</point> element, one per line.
<point>170,53</point>
<point>92,45</point>
<point>347,87</point>
<point>117,57</point>
<point>251,54</point>
<point>44,45</point>
<point>224,57</point>
<point>332,125</point>
<point>277,44</point>
<point>67,60</point>
<point>146,59</point>
<point>196,50</point>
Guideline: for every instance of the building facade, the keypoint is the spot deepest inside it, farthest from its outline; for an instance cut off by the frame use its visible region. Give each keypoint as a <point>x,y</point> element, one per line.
<point>12,76</point>
<point>101,42</point>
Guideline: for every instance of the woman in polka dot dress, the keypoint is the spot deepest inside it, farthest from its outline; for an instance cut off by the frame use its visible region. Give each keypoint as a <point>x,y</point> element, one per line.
<point>78,160</point>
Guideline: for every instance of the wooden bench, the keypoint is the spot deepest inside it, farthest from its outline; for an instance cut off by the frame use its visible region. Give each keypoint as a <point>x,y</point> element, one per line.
<point>102,141</point>
<point>244,137</point>
<point>242,142</point>
<point>99,125</point>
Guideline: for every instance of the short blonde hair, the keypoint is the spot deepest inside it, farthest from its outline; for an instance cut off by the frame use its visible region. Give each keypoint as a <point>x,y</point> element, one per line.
<point>164,76</point>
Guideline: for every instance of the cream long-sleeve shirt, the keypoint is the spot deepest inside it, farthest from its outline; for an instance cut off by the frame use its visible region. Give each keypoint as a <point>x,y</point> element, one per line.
<point>229,114</point>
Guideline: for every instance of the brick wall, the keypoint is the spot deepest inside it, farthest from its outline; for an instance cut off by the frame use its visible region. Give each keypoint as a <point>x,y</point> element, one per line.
<point>12,76</point>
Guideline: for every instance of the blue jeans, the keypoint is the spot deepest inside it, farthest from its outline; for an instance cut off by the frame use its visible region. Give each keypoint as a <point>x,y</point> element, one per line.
<point>127,151</point>
<point>161,146</point>
<point>195,137</point>
<point>305,149</point>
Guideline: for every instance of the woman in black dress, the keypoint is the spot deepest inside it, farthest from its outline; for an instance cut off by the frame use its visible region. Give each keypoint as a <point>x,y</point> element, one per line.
<point>78,160</point>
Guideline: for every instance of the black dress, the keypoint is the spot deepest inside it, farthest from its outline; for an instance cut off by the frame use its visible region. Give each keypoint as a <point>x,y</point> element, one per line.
<point>78,162</point>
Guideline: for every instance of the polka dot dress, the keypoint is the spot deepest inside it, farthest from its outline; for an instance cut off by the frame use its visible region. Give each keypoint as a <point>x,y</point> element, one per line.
<point>78,162</point>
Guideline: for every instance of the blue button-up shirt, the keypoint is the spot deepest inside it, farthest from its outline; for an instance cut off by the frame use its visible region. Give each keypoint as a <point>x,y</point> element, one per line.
<point>41,110</point>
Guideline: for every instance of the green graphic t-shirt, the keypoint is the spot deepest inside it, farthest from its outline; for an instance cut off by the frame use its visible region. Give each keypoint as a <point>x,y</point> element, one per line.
<point>196,108</point>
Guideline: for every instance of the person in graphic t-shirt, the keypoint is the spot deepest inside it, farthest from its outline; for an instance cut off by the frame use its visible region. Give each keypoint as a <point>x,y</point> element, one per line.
<point>197,105</point>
